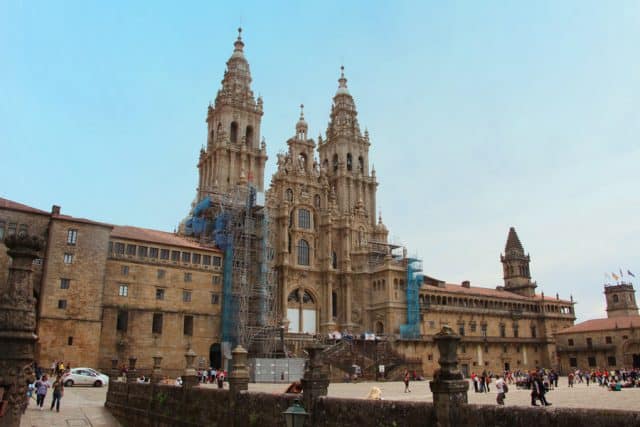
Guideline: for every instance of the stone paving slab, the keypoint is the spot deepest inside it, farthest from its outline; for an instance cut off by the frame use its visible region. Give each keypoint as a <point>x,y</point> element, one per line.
<point>80,407</point>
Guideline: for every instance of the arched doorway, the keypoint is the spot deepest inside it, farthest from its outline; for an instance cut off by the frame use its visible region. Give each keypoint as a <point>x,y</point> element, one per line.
<point>302,311</point>
<point>379,328</point>
<point>215,356</point>
<point>632,354</point>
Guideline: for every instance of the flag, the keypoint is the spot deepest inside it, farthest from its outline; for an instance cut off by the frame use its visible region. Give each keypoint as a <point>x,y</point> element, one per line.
<point>615,276</point>
<point>630,273</point>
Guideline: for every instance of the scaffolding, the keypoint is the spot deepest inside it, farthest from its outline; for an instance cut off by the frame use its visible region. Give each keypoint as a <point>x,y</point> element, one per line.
<point>233,222</point>
<point>411,330</point>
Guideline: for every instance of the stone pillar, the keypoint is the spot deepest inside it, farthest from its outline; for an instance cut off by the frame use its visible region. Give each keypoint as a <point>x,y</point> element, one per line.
<point>448,386</point>
<point>132,374</point>
<point>114,372</point>
<point>17,327</point>
<point>190,376</point>
<point>156,375</point>
<point>239,376</point>
<point>315,381</point>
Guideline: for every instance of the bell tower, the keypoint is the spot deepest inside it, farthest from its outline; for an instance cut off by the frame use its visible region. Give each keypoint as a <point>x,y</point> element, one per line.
<point>621,300</point>
<point>344,156</point>
<point>234,153</point>
<point>515,266</point>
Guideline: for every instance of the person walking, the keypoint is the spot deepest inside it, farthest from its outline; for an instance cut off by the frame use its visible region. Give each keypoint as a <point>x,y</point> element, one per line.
<point>406,381</point>
<point>502,388</point>
<point>41,391</point>
<point>58,392</point>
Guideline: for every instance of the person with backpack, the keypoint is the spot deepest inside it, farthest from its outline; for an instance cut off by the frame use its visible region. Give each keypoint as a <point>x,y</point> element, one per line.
<point>41,391</point>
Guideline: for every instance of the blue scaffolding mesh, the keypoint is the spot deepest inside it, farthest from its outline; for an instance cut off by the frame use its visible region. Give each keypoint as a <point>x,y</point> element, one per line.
<point>411,330</point>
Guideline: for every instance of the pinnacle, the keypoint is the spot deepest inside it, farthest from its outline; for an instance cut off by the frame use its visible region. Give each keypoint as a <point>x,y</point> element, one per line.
<point>513,243</point>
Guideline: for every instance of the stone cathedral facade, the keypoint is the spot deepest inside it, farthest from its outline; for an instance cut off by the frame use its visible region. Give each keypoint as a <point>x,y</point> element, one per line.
<point>336,270</point>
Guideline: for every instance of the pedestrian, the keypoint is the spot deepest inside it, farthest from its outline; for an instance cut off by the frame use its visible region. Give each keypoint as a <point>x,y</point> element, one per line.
<point>406,381</point>
<point>58,392</point>
<point>220,378</point>
<point>502,388</point>
<point>570,379</point>
<point>540,390</point>
<point>41,391</point>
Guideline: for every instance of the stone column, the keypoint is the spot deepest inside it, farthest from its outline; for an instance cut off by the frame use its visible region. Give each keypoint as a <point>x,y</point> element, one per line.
<point>190,376</point>
<point>448,386</point>
<point>132,374</point>
<point>315,381</point>
<point>239,376</point>
<point>156,375</point>
<point>17,327</point>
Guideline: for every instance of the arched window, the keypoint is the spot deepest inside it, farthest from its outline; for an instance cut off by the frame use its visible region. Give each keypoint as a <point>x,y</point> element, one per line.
<point>335,163</point>
<point>304,218</point>
<point>288,195</point>
<point>334,260</point>
<point>325,164</point>
<point>349,162</point>
<point>248,136</point>
<point>316,201</point>
<point>234,132</point>
<point>379,327</point>
<point>303,252</point>
<point>334,304</point>
<point>360,164</point>
<point>362,240</point>
<point>615,298</point>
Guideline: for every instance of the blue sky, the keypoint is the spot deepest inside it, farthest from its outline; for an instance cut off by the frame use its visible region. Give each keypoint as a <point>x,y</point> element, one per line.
<point>482,115</point>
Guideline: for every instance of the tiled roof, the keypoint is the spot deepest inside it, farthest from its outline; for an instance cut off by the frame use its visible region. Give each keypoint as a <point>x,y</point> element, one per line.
<point>81,220</point>
<point>156,236</point>
<point>488,292</point>
<point>622,322</point>
<point>10,204</point>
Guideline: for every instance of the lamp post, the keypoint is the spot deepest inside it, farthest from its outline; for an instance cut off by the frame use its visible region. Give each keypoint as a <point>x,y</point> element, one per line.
<point>295,415</point>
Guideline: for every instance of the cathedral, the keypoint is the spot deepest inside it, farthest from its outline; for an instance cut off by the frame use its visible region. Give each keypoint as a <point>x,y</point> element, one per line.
<point>335,269</point>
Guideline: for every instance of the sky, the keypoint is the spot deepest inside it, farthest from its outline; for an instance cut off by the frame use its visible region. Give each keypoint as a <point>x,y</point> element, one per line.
<point>482,116</point>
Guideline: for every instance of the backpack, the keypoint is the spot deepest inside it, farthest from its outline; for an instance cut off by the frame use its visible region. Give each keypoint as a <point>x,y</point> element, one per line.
<point>505,388</point>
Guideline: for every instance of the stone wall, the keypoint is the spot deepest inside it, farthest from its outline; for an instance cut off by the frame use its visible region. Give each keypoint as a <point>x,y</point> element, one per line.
<point>143,405</point>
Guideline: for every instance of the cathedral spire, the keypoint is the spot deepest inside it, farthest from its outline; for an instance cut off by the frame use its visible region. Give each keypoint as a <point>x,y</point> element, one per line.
<point>342,83</point>
<point>513,245</point>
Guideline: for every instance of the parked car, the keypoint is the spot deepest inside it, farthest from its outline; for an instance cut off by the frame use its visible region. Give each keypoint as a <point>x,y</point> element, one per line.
<point>84,376</point>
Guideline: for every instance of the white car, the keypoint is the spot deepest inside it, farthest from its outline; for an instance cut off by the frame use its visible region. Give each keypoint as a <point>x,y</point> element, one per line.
<point>84,376</point>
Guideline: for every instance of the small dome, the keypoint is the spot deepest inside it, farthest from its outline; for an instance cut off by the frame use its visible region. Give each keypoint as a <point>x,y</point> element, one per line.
<point>342,87</point>
<point>380,227</point>
<point>302,126</point>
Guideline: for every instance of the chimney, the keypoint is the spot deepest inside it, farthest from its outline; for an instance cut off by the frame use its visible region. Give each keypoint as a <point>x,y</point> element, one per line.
<point>55,210</point>
<point>466,284</point>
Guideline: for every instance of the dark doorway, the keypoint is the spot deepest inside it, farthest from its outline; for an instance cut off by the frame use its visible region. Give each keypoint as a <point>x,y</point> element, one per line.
<point>636,360</point>
<point>507,366</point>
<point>215,356</point>
<point>465,370</point>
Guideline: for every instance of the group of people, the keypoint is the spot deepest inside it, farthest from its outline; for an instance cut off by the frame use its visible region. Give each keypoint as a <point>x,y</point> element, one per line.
<point>38,389</point>
<point>613,380</point>
<point>211,376</point>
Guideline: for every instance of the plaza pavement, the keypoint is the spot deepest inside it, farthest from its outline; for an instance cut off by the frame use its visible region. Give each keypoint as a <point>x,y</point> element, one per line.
<point>84,406</point>
<point>80,407</point>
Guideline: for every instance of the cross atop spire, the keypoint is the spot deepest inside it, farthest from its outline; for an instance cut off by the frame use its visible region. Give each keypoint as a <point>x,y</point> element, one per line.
<point>239,44</point>
<point>301,111</point>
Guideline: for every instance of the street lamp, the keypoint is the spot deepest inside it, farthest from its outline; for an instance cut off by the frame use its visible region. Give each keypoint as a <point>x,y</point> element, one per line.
<point>295,415</point>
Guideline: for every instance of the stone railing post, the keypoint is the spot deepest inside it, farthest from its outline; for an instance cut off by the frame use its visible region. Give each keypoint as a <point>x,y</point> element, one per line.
<point>156,375</point>
<point>17,327</point>
<point>132,374</point>
<point>449,388</point>
<point>190,376</point>
<point>114,372</point>
<point>315,381</point>
<point>239,375</point>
